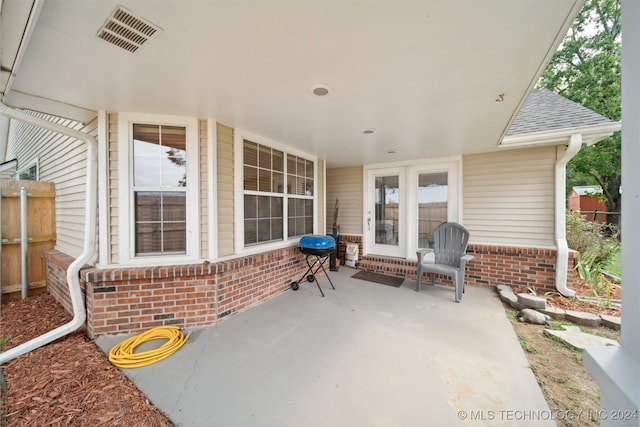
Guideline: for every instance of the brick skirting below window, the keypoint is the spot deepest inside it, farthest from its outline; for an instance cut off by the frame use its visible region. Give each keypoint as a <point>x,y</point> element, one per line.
<point>131,300</point>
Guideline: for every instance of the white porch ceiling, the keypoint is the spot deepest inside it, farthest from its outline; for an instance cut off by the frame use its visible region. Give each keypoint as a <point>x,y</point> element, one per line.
<point>424,74</point>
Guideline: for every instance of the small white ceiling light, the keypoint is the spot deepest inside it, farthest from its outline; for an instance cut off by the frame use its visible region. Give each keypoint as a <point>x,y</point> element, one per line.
<point>369,131</point>
<point>320,90</point>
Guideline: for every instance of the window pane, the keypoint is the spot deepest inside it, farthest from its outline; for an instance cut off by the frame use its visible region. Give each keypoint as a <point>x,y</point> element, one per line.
<point>264,230</point>
<point>276,229</point>
<point>250,232</point>
<point>291,164</point>
<point>250,153</point>
<point>174,237</point>
<point>160,222</point>
<point>174,206</point>
<point>148,238</point>
<point>250,207</point>
<point>174,139</point>
<point>264,157</point>
<point>265,180</point>
<point>309,169</point>
<point>159,156</point>
<point>264,207</point>
<point>146,155</point>
<point>432,205</point>
<point>291,184</point>
<point>278,161</point>
<point>278,182</point>
<point>250,178</point>
<point>386,210</point>
<point>308,189</point>
<point>147,206</point>
<point>276,207</point>
<point>174,160</point>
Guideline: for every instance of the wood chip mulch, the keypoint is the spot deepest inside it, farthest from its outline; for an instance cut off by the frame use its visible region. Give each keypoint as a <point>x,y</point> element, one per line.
<point>68,382</point>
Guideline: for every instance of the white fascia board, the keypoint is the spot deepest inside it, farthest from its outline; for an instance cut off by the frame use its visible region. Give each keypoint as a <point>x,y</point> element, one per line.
<point>590,135</point>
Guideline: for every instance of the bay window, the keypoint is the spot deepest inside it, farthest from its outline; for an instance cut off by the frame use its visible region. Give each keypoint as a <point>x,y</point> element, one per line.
<point>278,192</point>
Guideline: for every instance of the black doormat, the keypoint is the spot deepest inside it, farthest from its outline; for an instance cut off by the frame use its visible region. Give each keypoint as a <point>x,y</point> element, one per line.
<point>379,278</point>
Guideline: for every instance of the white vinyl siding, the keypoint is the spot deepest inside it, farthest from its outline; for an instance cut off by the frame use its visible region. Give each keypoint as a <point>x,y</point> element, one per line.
<point>509,197</point>
<point>345,185</point>
<point>225,174</point>
<point>62,160</point>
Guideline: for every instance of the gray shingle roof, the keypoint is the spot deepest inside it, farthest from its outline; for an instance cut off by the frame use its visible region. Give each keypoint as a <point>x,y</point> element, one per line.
<point>545,110</point>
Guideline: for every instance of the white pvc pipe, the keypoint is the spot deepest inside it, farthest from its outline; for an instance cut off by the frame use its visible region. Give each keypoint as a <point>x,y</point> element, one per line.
<point>24,242</point>
<point>562,254</point>
<point>73,272</point>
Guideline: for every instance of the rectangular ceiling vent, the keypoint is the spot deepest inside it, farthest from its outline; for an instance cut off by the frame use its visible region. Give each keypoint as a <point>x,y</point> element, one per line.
<point>126,30</point>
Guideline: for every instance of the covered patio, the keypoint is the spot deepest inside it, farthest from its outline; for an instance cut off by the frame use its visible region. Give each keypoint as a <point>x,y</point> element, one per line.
<point>365,355</point>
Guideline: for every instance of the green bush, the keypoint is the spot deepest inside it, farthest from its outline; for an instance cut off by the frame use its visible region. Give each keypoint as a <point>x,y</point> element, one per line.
<point>597,245</point>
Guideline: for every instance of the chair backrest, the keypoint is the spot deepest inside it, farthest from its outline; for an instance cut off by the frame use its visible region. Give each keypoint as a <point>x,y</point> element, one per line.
<point>450,243</point>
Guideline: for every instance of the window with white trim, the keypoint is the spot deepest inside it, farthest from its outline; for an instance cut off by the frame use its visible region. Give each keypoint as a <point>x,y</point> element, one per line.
<point>158,180</point>
<point>159,189</point>
<point>29,173</point>
<point>278,192</point>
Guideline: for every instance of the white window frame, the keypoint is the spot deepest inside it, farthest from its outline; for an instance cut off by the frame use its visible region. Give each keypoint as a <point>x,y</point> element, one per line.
<point>35,162</point>
<point>452,165</point>
<point>126,238</point>
<point>239,135</point>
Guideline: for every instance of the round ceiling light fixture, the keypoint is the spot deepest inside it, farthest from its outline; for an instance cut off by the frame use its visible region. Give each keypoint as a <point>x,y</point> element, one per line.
<point>320,90</point>
<point>369,131</point>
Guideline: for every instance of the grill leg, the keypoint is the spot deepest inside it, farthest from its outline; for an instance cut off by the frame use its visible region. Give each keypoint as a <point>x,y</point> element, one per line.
<point>318,260</point>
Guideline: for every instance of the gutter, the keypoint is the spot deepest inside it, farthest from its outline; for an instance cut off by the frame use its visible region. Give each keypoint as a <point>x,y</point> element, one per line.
<point>89,247</point>
<point>562,256</point>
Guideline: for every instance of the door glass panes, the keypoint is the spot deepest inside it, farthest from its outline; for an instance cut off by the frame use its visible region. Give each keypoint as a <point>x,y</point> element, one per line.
<point>387,199</point>
<point>433,198</point>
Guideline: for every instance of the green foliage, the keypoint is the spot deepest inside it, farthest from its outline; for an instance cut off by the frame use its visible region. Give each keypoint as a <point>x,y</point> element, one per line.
<point>586,69</point>
<point>3,341</point>
<point>598,245</point>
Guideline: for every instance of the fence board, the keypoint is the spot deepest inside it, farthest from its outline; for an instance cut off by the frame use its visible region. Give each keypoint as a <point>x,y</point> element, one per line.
<point>41,235</point>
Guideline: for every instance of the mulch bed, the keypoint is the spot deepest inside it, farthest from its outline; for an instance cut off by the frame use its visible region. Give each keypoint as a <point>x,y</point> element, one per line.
<point>554,299</point>
<point>69,382</point>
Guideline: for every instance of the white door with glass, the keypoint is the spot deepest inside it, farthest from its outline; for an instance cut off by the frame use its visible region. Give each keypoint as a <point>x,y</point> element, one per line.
<point>385,221</point>
<point>405,204</point>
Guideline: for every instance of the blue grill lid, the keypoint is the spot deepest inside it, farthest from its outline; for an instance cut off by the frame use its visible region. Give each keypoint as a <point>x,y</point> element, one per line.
<point>317,242</point>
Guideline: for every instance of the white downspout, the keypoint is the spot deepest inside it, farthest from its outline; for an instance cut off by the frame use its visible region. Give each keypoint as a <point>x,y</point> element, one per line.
<point>73,272</point>
<point>562,256</point>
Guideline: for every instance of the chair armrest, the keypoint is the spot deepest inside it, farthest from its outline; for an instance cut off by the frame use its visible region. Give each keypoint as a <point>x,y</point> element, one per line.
<point>421,253</point>
<point>464,260</point>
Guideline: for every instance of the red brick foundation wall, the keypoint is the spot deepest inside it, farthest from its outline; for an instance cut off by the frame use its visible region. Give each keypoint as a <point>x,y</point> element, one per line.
<point>131,300</point>
<point>492,265</point>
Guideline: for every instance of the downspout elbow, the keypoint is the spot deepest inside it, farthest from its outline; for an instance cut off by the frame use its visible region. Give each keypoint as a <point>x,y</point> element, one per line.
<point>89,246</point>
<point>562,248</point>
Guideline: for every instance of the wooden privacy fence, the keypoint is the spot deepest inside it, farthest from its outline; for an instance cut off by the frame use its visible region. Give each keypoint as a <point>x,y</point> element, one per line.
<point>38,211</point>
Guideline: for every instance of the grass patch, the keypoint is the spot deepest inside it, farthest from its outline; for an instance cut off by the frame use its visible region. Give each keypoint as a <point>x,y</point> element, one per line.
<point>526,346</point>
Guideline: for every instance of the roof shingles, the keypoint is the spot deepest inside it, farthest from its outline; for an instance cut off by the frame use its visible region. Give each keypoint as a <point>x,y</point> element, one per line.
<point>545,110</point>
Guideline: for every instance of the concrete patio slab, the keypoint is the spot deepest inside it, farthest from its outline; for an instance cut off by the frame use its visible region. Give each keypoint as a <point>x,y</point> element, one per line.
<point>365,355</point>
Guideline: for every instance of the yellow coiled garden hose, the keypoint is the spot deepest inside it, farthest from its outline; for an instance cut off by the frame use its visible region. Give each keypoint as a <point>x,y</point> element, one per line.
<point>122,355</point>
